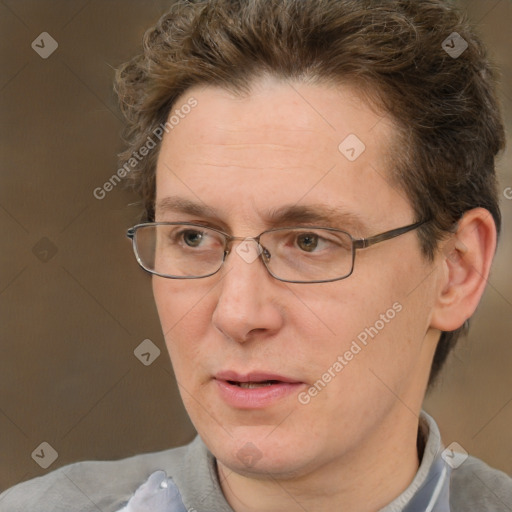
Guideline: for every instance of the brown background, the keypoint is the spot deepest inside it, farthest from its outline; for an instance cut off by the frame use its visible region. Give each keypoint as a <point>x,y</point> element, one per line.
<point>70,324</point>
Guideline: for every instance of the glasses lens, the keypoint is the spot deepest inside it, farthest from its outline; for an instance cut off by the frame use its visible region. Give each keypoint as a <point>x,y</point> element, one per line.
<point>179,250</point>
<point>308,255</point>
<point>292,254</point>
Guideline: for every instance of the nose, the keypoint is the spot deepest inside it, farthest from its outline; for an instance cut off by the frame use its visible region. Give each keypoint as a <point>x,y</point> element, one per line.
<point>247,302</point>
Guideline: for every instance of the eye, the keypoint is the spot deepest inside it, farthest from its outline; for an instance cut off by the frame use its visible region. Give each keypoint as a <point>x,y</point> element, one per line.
<point>308,241</point>
<point>192,238</point>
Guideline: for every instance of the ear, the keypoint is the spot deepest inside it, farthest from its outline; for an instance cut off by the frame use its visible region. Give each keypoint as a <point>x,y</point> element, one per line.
<point>466,261</point>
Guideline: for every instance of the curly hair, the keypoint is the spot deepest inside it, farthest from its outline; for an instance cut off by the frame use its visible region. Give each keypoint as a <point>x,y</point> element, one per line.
<point>443,104</point>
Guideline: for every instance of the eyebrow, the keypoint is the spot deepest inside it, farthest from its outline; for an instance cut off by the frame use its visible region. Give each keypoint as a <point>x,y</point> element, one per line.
<point>320,214</point>
<point>312,214</point>
<point>181,205</point>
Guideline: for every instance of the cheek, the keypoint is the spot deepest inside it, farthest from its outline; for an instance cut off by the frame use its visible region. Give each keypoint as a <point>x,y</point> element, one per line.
<point>374,320</point>
<point>178,301</point>
<point>341,311</point>
<point>184,312</point>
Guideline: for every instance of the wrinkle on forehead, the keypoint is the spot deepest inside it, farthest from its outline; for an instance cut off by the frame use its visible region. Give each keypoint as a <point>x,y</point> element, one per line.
<point>278,146</point>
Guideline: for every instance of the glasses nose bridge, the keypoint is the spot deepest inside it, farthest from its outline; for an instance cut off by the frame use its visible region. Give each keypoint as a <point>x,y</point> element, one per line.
<point>256,239</point>
<point>230,239</point>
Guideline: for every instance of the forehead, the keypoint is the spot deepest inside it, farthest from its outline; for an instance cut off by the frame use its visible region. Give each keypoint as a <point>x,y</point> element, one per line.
<point>282,144</point>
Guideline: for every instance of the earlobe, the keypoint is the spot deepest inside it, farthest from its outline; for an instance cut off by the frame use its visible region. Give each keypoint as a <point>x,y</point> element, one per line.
<point>465,261</point>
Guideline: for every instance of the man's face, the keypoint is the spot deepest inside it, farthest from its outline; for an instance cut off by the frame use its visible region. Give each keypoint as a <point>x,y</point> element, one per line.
<point>240,160</point>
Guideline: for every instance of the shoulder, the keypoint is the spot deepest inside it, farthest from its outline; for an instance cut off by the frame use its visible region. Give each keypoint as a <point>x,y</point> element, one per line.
<point>91,485</point>
<point>476,486</point>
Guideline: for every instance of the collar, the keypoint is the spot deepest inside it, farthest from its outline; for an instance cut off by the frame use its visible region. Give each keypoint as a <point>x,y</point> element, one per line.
<point>428,492</point>
<point>430,489</point>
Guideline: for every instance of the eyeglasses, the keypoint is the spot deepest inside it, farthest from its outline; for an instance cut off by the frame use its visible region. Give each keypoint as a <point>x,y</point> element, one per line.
<point>302,254</point>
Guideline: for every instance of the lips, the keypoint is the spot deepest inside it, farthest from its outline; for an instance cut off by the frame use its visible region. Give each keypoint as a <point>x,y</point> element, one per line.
<point>253,377</point>
<point>252,385</point>
<point>255,390</point>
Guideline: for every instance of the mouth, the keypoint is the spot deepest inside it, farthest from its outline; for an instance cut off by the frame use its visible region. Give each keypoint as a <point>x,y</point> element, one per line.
<point>253,385</point>
<point>255,390</point>
<point>253,379</point>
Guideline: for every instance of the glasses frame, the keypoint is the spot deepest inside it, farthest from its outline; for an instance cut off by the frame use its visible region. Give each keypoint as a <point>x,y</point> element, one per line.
<point>357,243</point>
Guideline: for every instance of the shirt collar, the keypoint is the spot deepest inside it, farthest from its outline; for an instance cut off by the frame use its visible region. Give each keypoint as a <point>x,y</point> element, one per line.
<point>428,492</point>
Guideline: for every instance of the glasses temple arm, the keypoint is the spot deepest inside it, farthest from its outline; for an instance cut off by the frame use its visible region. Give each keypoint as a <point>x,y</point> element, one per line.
<point>362,243</point>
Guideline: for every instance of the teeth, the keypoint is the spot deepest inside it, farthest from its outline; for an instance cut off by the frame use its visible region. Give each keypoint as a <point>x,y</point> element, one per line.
<point>252,385</point>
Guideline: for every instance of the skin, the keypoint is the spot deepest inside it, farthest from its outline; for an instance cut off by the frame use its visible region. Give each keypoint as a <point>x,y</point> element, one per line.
<point>244,156</point>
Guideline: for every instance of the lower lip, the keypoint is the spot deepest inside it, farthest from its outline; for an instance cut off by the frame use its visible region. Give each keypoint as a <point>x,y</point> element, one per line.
<point>256,398</point>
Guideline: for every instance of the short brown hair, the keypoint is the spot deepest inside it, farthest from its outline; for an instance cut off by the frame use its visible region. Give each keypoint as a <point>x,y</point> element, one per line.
<point>444,106</point>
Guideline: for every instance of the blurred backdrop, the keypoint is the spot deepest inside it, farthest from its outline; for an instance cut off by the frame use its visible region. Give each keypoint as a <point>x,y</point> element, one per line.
<point>75,305</point>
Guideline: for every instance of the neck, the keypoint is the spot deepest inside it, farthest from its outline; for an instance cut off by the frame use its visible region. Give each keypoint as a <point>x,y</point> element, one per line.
<point>361,481</point>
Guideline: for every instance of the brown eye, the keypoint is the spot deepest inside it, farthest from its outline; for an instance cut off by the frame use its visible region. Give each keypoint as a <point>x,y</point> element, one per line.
<point>307,242</point>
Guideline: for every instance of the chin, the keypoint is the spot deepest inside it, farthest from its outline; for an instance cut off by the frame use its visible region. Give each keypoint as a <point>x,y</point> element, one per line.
<point>257,452</point>
<point>267,467</point>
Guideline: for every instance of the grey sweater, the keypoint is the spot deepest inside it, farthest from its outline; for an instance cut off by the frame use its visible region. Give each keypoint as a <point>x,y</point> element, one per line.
<point>190,484</point>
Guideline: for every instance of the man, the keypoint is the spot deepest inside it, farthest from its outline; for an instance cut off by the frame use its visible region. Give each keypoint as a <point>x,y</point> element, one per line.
<point>320,221</point>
